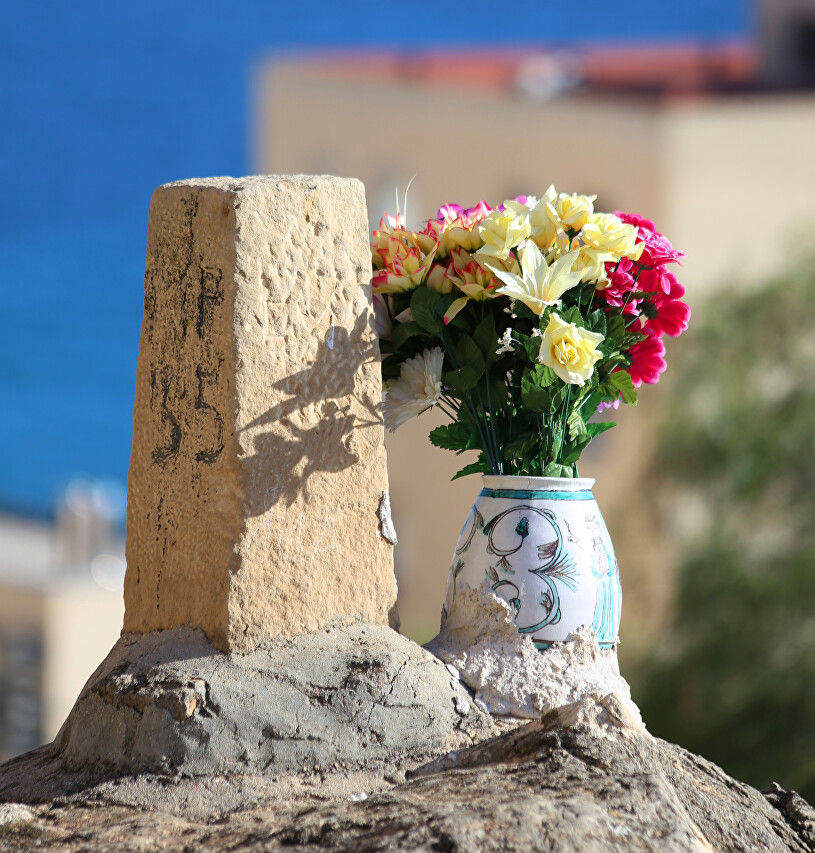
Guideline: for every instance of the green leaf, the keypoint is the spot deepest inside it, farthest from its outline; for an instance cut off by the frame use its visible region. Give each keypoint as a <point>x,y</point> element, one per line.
<point>572,315</point>
<point>523,445</point>
<point>597,321</point>
<point>472,468</point>
<point>403,331</point>
<point>462,380</point>
<point>487,338</point>
<point>423,304</point>
<point>559,396</point>
<point>531,346</point>
<point>576,424</point>
<point>544,376</point>
<point>534,398</point>
<point>615,328</point>
<point>500,393</point>
<point>597,428</point>
<point>450,437</point>
<point>524,312</point>
<point>574,449</point>
<point>468,354</point>
<point>619,384</point>
<point>555,469</point>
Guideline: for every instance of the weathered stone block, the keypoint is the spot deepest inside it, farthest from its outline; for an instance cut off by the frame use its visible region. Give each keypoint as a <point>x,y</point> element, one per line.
<point>258,460</point>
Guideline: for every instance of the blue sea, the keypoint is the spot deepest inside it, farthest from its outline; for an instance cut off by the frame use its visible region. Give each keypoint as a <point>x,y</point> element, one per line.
<point>101,102</point>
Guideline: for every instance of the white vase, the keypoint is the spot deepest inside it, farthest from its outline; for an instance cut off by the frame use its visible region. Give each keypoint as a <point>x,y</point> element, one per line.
<point>541,544</point>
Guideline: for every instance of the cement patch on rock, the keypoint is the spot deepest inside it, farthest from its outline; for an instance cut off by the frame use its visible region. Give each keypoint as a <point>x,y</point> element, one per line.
<point>509,676</point>
<point>349,697</point>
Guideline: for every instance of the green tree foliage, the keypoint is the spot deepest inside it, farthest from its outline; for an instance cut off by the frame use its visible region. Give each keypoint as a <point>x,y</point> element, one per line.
<point>734,679</point>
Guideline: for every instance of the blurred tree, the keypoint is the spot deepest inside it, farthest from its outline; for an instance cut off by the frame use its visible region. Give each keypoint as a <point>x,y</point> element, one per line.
<point>734,678</point>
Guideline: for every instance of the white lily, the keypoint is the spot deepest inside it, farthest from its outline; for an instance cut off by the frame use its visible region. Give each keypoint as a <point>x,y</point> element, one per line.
<point>539,283</point>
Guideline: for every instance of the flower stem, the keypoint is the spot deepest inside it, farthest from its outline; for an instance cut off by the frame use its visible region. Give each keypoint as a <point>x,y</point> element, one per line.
<point>482,435</point>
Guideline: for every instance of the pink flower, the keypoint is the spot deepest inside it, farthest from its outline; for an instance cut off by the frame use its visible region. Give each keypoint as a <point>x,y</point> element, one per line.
<point>647,359</point>
<point>654,280</point>
<point>672,314</point>
<point>615,404</point>
<point>658,249</point>
<point>672,319</point>
<point>621,286</point>
<point>449,212</point>
<point>521,199</point>
<point>479,212</point>
<point>636,219</point>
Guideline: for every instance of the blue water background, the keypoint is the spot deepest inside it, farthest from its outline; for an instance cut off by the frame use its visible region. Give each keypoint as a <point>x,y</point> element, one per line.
<point>101,102</point>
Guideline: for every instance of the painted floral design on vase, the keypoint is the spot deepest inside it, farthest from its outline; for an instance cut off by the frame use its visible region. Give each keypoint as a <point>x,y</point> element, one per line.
<point>541,544</point>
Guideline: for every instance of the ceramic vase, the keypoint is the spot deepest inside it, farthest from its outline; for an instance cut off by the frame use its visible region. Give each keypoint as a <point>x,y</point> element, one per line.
<point>541,544</point>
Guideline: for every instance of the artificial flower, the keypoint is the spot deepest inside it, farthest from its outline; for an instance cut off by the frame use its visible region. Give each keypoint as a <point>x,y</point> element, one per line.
<point>570,350</point>
<point>656,248</point>
<point>474,280</point>
<point>502,231</point>
<point>573,210</point>
<point>506,342</point>
<point>417,389</point>
<point>672,315</point>
<point>647,360</point>
<point>542,218</point>
<point>608,233</point>
<point>404,268</point>
<point>437,279</point>
<point>539,284</point>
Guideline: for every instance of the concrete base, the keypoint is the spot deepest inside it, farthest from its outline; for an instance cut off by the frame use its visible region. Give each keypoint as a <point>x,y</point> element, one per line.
<point>349,699</point>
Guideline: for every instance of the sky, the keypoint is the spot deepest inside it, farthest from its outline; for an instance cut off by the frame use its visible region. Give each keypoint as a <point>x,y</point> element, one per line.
<point>102,102</point>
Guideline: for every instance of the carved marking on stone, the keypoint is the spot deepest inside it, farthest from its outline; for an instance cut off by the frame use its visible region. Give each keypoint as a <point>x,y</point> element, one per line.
<point>207,379</point>
<point>161,381</point>
<point>210,297</point>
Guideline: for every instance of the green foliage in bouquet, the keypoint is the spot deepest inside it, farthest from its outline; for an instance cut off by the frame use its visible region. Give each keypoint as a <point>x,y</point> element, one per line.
<point>520,323</point>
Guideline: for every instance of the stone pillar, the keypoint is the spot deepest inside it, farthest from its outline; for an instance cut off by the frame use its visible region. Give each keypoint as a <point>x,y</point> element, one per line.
<point>258,461</point>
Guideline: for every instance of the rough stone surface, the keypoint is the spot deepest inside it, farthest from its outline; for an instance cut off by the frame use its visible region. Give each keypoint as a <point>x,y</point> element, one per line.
<point>509,675</point>
<point>351,698</point>
<point>583,778</point>
<point>258,461</point>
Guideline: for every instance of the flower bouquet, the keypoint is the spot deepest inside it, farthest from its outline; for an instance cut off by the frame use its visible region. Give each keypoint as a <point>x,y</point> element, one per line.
<point>520,323</point>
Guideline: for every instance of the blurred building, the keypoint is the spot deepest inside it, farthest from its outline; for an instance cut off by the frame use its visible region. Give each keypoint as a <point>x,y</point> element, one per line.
<point>61,610</point>
<point>696,137</point>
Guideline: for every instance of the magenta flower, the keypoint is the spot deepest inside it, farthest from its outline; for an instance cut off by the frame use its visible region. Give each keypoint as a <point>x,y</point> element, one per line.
<point>647,360</point>
<point>658,249</point>
<point>449,212</point>
<point>672,318</point>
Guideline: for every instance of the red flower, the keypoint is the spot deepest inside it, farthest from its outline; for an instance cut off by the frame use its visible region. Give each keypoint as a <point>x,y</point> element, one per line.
<point>636,219</point>
<point>672,319</point>
<point>658,249</point>
<point>621,286</point>
<point>672,314</point>
<point>647,359</point>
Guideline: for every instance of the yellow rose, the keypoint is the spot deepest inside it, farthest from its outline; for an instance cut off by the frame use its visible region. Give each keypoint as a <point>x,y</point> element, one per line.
<point>569,350</point>
<point>574,210</point>
<point>609,233</point>
<point>544,220</point>
<point>502,231</point>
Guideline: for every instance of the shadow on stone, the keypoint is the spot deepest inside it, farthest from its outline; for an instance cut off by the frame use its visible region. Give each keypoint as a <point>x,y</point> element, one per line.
<point>329,445</point>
